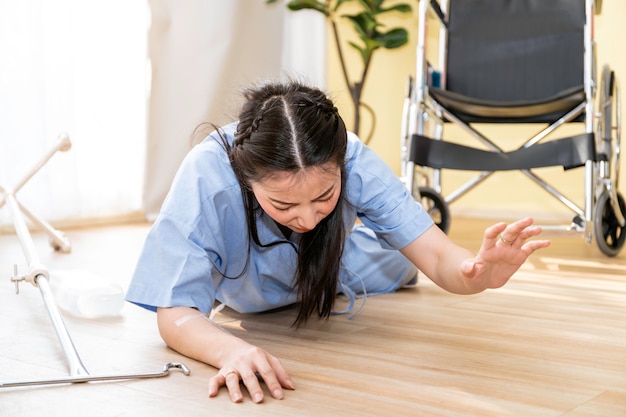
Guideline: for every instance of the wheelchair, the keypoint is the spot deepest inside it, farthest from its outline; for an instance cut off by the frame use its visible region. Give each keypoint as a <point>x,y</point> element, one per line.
<point>515,62</point>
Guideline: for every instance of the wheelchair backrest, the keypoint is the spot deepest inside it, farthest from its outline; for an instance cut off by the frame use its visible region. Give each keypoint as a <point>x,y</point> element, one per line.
<point>509,50</point>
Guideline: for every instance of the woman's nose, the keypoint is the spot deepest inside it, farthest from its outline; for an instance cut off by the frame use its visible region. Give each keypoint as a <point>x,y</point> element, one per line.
<point>309,219</point>
<point>307,223</point>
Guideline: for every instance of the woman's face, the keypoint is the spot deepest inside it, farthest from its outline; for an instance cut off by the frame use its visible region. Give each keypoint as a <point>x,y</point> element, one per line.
<point>300,201</point>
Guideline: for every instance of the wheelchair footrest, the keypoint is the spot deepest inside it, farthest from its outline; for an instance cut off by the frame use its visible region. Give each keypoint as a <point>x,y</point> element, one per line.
<point>570,152</point>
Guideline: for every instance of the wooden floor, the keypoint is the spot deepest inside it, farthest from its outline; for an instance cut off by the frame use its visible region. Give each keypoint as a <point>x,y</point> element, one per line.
<point>550,343</point>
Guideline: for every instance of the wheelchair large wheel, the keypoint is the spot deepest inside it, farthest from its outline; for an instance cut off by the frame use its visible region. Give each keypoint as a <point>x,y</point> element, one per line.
<point>436,207</point>
<point>610,236</point>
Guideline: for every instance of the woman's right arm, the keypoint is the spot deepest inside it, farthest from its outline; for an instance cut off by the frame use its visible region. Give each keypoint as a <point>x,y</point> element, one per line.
<point>188,332</point>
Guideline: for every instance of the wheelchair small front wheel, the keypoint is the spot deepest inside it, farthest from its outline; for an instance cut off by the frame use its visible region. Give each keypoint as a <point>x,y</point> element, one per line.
<point>609,235</point>
<point>436,207</point>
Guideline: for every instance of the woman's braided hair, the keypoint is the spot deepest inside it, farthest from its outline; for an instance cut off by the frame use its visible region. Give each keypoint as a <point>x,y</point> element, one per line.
<point>290,127</point>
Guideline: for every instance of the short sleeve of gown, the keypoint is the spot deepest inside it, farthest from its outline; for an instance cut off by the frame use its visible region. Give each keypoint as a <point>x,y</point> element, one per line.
<point>186,252</point>
<point>381,200</point>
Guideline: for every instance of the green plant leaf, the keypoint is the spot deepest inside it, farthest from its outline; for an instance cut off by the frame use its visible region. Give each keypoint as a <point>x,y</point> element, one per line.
<point>368,5</point>
<point>363,23</point>
<point>316,5</point>
<point>395,38</point>
<point>402,8</point>
<point>372,44</point>
<point>340,2</point>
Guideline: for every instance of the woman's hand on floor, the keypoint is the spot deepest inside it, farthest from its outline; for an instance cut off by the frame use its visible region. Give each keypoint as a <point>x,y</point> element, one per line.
<point>252,366</point>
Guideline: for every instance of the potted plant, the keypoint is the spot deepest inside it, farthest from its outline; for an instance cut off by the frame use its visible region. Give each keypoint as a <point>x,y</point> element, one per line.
<point>372,34</point>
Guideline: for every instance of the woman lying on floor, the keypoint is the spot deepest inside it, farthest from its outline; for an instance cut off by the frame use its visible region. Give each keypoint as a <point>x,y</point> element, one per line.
<point>262,214</point>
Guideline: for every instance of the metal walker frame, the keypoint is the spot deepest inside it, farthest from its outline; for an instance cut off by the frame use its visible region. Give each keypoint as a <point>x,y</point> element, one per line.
<point>39,276</point>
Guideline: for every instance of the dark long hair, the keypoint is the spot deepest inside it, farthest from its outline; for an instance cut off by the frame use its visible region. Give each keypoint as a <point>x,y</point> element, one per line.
<point>290,127</point>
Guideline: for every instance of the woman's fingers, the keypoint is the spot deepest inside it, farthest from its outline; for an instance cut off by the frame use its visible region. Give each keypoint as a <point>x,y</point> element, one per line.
<point>514,234</point>
<point>518,231</point>
<point>259,367</point>
<point>275,377</point>
<point>251,382</point>
<point>231,379</point>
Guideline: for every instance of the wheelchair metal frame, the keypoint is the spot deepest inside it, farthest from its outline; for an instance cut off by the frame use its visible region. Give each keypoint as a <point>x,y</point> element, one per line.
<point>422,114</point>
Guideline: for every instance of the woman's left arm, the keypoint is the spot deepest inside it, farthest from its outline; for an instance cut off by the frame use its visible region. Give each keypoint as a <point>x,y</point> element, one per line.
<point>503,250</point>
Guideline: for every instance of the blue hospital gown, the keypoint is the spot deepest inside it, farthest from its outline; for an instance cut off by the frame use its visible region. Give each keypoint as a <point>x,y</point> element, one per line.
<point>196,252</point>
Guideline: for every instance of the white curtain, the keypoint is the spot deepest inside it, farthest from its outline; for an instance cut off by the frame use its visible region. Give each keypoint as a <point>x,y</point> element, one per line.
<point>74,66</point>
<point>129,80</point>
<point>202,53</point>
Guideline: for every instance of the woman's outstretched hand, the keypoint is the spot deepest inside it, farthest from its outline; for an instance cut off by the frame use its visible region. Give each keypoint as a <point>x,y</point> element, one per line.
<point>504,249</point>
<point>250,366</point>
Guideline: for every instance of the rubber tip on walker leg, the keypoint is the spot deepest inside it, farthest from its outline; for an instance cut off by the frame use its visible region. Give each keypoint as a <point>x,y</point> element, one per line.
<point>64,143</point>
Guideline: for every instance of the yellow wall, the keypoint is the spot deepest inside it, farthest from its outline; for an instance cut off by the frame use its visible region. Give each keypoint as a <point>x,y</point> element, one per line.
<point>505,195</point>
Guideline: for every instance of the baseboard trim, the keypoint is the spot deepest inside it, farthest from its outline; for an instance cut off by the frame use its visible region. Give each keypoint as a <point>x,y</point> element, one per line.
<point>68,224</point>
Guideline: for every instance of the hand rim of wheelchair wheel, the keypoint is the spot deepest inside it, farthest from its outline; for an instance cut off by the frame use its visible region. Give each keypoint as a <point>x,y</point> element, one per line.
<point>609,124</point>
<point>436,207</point>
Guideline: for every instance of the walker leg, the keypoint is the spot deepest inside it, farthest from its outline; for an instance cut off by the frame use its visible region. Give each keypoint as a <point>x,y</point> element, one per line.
<point>73,359</point>
<point>58,241</point>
